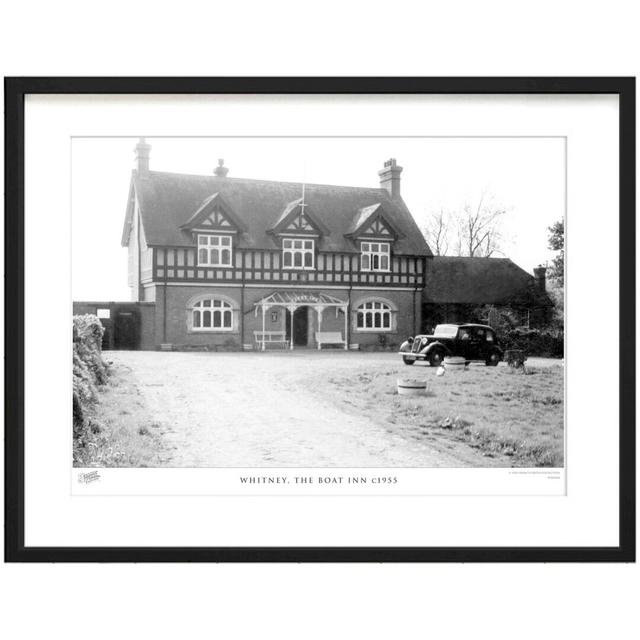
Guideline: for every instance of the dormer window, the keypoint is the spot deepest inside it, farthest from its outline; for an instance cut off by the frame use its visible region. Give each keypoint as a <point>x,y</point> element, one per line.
<point>374,256</point>
<point>214,251</point>
<point>298,253</point>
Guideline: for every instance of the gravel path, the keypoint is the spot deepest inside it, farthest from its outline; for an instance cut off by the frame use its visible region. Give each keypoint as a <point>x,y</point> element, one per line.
<point>255,410</point>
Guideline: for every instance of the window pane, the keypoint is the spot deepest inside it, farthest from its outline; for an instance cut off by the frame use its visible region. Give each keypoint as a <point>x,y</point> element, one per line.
<point>206,318</point>
<point>360,320</point>
<point>217,303</point>
<point>226,256</point>
<point>196,319</point>
<point>206,303</point>
<point>308,259</point>
<point>226,241</point>
<point>297,259</point>
<point>286,244</point>
<point>386,318</point>
<point>384,262</point>
<point>227,319</point>
<point>214,256</point>
<point>202,239</point>
<point>365,246</point>
<point>374,248</point>
<point>202,256</point>
<point>308,244</point>
<point>377,320</point>
<point>287,259</point>
<point>368,320</point>
<point>217,319</point>
<point>375,261</point>
<point>297,244</point>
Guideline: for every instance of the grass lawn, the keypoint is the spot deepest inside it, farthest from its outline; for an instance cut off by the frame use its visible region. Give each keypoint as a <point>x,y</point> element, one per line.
<point>120,433</point>
<point>502,413</point>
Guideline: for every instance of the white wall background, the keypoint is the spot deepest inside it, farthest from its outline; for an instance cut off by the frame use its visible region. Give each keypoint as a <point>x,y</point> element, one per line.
<point>331,38</point>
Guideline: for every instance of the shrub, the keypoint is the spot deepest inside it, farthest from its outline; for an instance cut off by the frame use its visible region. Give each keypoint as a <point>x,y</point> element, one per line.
<point>89,369</point>
<point>534,342</point>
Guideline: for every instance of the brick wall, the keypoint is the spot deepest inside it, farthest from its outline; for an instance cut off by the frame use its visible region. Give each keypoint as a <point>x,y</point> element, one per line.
<point>175,327</point>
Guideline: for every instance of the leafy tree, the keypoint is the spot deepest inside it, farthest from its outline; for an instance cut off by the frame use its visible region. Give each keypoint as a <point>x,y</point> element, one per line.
<point>556,272</point>
<point>556,243</point>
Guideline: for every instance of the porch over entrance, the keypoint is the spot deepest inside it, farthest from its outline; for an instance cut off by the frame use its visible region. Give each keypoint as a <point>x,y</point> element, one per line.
<point>293,301</point>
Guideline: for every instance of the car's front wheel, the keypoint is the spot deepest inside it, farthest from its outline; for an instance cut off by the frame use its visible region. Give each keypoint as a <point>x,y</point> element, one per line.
<point>407,360</point>
<point>493,359</point>
<point>436,357</point>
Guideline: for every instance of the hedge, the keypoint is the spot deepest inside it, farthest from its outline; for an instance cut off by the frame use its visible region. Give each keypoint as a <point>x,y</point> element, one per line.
<point>534,342</point>
<point>89,369</point>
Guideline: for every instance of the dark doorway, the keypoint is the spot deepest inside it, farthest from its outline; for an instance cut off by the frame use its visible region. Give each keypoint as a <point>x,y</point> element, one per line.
<point>125,330</point>
<point>300,326</point>
<point>107,336</point>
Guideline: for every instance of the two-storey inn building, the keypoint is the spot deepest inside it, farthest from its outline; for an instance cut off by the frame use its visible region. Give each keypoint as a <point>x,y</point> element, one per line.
<point>219,261</point>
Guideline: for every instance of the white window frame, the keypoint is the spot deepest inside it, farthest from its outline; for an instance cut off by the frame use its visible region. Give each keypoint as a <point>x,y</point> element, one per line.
<point>307,248</point>
<point>212,244</point>
<point>375,256</point>
<point>211,306</point>
<point>374,309</point>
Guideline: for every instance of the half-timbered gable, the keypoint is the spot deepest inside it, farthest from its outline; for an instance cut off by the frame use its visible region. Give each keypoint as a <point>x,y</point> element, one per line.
<point>372,223</point>
<point>214,215</point>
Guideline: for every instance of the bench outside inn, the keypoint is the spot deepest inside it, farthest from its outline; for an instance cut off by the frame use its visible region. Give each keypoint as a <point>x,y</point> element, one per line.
<point>264,338</point>
<point>329,337</point>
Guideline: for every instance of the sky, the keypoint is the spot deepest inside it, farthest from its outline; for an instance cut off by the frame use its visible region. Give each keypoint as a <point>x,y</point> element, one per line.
<point>525,175</point>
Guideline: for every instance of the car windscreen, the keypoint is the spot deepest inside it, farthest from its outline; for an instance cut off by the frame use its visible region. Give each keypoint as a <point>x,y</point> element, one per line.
<point>446,331</point>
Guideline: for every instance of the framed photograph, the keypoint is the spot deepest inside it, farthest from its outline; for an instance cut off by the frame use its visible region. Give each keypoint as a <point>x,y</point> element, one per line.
<point>320,319</point>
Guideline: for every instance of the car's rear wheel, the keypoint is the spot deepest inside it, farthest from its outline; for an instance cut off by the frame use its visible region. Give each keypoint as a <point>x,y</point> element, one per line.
<point>436,357</point>
<point>407,360</point>
<point>493,359</point>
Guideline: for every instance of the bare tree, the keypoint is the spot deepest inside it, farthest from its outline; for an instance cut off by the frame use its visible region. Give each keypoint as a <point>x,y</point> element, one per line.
<point>437,232</point>
<point>479,228</point>
<point>468,230</point>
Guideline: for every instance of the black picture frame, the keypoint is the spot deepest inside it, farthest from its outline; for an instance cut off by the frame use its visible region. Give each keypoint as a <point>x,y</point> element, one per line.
<point>15,91</point>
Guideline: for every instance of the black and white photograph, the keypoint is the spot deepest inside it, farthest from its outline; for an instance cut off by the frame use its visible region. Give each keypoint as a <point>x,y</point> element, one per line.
<point>315,327</point>
<point>318,302</point>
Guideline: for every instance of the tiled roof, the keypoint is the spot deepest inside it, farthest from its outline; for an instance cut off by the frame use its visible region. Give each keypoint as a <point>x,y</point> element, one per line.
<point>459,280</point>
<point>168,200</point>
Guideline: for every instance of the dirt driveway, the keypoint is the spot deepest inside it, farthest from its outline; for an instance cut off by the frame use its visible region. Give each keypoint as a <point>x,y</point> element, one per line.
<point>258,410</point>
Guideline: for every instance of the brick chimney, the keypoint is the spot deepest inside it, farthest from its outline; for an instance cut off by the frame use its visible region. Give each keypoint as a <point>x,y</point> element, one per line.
<point>540,274</point>
<point>221,171</point>
<point>142,156</point>
<point>390,177</point>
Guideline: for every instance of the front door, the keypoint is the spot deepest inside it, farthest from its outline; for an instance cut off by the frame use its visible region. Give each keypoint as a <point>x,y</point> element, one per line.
<point>300,326</point>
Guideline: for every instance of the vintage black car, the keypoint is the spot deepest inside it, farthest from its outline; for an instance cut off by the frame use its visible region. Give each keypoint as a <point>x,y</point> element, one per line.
<point>474,342</point>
